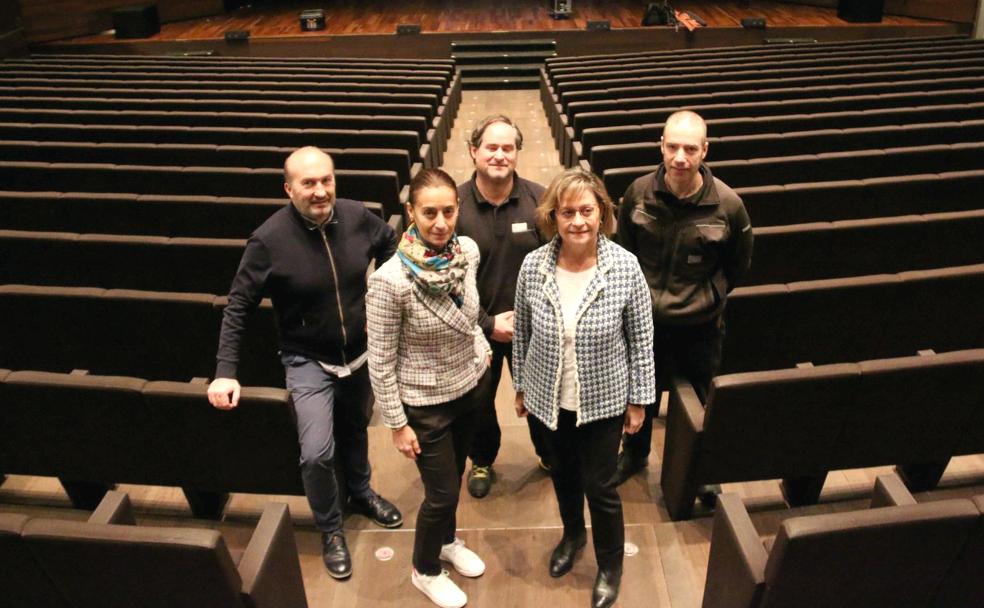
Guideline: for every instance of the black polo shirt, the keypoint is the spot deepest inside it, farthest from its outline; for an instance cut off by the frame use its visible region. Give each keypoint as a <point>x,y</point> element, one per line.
<point>505,234</point>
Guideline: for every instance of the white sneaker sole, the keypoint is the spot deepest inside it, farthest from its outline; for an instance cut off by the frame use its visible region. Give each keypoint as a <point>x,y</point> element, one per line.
<point>462,572</point>
<point>413,579</point>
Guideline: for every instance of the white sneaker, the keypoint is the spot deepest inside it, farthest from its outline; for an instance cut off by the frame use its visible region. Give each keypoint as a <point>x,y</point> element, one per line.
<point>464,560</point>
<point>440,589</point>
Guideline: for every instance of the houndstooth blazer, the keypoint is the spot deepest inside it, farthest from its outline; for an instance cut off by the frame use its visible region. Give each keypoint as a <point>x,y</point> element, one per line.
<point>423,350</point>
<point>613,338</point>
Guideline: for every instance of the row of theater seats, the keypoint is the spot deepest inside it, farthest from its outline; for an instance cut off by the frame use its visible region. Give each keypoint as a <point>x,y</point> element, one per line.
<point>816,105</point>
<point>797,424</point>
<point>25,176</point>
<point>784,125</point>
<point>94,431</point>
<point>122,331</point>
<point>382,142</point>
<point>167,215</point>
<point>160,335</point>
<point>842,248</point>
<point>767,145</point>
<point>829,83</point>
<point>896,553</point>
<point>198,155</point>
<point>824,166</point>
<point>781,325</point>
<point>110,562</point>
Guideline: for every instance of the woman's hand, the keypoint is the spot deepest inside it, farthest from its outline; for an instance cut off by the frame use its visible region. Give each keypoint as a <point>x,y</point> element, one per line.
<point>405,441</point>
<point>521,411</point>
<point>634,416</point>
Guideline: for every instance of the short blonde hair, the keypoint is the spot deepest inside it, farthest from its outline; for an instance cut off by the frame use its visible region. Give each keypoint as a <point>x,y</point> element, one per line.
<point>574,182</point>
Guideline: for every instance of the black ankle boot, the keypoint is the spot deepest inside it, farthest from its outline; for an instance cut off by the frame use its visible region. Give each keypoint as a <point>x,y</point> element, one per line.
<point>564,554</point>
<point>606,587</point>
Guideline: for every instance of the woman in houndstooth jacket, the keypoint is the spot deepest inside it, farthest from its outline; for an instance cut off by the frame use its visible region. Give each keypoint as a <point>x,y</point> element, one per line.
<point>583,364</point>
<point>427,360</point>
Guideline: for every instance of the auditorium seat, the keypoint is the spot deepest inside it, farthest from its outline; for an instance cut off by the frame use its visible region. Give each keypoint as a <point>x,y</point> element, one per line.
<point>23,580</point>
<point>799,423</point>
<point>904,552</point>
<point>109,565</point>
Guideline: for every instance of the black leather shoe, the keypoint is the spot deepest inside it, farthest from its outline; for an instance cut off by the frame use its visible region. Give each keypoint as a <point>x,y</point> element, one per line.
<point>708,495</point>
<point>564,554</point>
<point>335,554</point>
<point>626,467</point>
<point>378,509</point>
<point>606,587</point>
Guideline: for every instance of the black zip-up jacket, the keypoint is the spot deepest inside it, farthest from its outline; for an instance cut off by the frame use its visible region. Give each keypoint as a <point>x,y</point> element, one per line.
<point>316,277</point>
<point>692,251</point>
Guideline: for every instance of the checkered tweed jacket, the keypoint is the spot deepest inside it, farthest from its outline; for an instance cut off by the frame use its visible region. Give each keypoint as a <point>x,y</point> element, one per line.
<point>423,350</point>
<point>613,338</point>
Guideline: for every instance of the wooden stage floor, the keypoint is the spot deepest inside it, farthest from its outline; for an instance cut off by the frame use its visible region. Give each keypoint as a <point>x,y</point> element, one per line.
<point>363,17</point>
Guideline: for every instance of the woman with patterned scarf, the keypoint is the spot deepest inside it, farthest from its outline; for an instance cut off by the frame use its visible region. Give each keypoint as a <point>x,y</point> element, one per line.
<point>427,360</point>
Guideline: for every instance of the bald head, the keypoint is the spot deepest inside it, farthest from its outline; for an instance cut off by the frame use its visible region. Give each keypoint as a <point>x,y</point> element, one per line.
<point>309,180</point>
<point>688,121</point>
<point>684,147</point>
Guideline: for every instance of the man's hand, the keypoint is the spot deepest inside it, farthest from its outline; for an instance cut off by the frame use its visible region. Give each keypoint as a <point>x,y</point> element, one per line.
<point>405,441</point>
<point>223,393</point>
<point>520,405</point>
<point>634,416</point>
<point>502,330</point>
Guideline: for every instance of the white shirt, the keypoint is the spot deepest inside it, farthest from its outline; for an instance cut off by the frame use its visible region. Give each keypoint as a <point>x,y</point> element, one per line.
<point>572,286</point>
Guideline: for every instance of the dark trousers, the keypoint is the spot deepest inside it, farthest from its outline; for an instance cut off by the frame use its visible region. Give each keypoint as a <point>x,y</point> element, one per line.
<point>582,461</point>
<point>444,432</point>
<point>488,435</point>
<point>332,414</point>
<point>692,351</point>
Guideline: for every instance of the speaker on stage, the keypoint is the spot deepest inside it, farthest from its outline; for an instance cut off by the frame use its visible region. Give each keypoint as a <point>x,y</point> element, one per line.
<point>140,21</point>
<point>861,11</point>
<point>657,14</point>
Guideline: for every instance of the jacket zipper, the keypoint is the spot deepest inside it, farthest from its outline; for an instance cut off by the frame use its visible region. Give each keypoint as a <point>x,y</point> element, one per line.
<point>338,297</point>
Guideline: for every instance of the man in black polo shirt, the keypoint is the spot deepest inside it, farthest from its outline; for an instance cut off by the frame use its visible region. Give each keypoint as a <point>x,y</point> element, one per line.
<point>496,210</point>
<point>311,259</point>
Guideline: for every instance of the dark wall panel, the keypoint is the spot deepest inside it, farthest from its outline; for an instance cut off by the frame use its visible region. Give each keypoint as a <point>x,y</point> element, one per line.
<point>58,19</point>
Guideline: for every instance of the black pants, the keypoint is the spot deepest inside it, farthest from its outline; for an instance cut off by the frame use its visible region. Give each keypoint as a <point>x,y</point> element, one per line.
<point>692,351</point>
<point>582,461</point>
<point>488,435</point>
<point>444,432</point>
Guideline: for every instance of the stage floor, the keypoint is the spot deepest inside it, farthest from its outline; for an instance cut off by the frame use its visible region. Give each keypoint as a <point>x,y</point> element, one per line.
<point>367,17</point>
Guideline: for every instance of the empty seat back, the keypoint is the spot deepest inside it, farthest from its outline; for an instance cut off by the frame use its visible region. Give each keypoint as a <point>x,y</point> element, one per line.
<point>113,566</point>
<point>878,557</point>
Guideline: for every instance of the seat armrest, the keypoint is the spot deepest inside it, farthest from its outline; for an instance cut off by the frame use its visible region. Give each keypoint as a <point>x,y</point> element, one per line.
<point>114,508</point>
<point>736,567</point>
<point>691,407</point>
<point>681,449</point>
<point>890,492</point>
<point>270,568</point>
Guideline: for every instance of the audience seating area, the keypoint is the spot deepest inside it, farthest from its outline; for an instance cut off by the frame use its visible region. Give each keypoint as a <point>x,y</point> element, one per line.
<point>922,555</point>
<point>110,562</point>
<point>94,431</point>
<point>128,187</point>
<point>797,424</point>
<point>861,166</point>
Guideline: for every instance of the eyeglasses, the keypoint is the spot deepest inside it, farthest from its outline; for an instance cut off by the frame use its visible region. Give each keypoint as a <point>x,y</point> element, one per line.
<point>587,211</point>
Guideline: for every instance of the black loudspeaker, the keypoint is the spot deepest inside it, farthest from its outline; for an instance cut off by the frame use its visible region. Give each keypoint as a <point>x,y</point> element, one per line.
<point>861,11</point>
<point>657,14</point>
<point>408,29</point>
<point>312,20</point>
<point>237,36</point>
<point>753,23</point>
<point>140,21</point>
<point>599,26</point>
